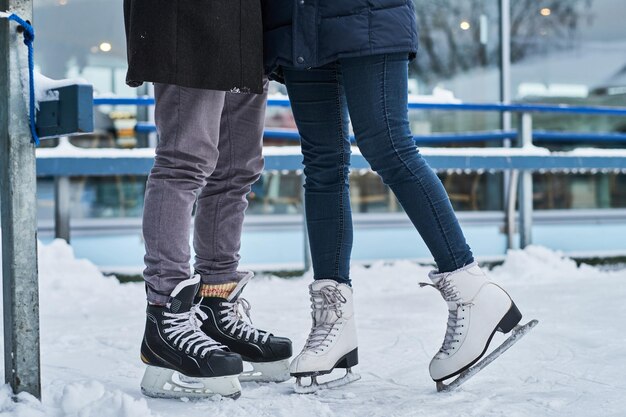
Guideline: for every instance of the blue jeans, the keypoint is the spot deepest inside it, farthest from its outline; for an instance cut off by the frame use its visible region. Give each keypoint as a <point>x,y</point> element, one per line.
<point>371,92</point>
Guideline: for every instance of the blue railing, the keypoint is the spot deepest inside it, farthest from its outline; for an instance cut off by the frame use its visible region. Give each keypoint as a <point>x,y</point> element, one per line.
<point>519,162</point>
<point>539,136</point>
<point>514,108</point>
<point>441,138</point>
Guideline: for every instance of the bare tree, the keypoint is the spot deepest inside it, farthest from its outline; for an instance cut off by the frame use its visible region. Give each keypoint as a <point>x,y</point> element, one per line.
<point>452,39</point>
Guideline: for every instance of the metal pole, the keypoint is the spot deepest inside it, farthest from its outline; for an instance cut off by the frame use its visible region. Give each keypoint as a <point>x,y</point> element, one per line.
<point>505,63</point>
<point>62,192</point>
<point>505,117</point>
<point>526,208</point>
<point>19,226</point>
<point>510,210</point>
<point>525,138</point>
<point>143,116</point>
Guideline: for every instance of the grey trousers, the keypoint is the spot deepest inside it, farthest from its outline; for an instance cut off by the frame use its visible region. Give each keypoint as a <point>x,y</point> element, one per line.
<point>209,152</point>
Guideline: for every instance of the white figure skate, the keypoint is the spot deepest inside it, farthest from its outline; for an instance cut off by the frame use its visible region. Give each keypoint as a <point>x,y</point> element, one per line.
<point>332,342</point>
<point>477,309</point>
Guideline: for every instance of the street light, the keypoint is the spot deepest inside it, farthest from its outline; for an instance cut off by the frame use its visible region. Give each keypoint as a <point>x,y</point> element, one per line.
<point>105,47</point>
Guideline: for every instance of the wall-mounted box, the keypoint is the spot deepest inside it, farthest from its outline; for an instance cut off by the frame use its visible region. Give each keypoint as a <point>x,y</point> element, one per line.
<point>71,113</point>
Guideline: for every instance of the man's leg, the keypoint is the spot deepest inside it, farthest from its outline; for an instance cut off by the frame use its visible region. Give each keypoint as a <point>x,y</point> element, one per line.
<point>217,238</point>
<point>188,123</point>
<point>222,201</point>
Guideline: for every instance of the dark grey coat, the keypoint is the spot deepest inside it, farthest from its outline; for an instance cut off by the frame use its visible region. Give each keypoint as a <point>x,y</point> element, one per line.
<point>311,33</point>
<point>209,44</point>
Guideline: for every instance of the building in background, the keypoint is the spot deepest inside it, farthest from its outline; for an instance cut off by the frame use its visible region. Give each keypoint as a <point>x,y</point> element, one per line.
<point>562,51</point>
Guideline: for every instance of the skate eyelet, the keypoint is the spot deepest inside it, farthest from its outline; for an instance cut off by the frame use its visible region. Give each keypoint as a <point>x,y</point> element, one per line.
<point>187,352</point>
<point>180,348</point>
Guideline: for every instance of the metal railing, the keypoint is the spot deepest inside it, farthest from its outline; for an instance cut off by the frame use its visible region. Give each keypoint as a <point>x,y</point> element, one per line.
<point>520,161</point>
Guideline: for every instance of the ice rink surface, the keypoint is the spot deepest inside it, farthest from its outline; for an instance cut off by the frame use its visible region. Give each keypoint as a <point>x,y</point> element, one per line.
<point>572,364</point>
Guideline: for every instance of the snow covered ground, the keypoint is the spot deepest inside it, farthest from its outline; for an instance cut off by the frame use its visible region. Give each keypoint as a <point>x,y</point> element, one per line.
<point>572,363</point>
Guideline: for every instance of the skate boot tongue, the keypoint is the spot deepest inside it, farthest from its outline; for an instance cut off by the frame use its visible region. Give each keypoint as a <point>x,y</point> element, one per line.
<point>181,299</point>
<point>244,277</point>
<point>459,286</point>
<point>225,301</point>
<point>447,290</point>
<point>327,300</point>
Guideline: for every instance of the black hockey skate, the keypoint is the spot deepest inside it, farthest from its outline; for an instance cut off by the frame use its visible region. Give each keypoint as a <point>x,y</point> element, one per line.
<point>182,360</point>
<point>229,323</point>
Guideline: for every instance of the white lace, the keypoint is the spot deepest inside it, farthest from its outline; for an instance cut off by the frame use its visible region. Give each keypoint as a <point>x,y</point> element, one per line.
<point>184,329</point>
<point>236,321</point>
<point>326,301</point>
<point>450,294</point>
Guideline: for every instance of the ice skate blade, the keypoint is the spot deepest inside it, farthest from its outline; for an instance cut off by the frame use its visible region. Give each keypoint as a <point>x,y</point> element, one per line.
<point>166,383</point>
<point>277,371</point>
<point>517,333</point>
<point>314,387</point>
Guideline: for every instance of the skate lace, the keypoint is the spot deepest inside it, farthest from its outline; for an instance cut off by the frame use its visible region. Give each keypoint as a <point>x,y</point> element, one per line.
<point>236,321</point>
<point>450,294</point>
<point>184,329</point>
<point>326,302</point>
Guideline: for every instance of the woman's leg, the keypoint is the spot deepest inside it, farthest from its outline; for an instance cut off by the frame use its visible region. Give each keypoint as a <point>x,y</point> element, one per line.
<point>320,111</point>
<point>376,92</point>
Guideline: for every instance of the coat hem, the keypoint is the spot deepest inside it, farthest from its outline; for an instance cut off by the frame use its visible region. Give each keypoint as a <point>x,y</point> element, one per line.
<point>274,71</point>
<point>200,86</point>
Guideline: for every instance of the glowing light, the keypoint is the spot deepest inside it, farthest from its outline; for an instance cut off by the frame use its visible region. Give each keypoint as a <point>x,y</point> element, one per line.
<point>62,2</point>
<point>465,25</point>
<point>545,11</point>
<point>105,47</point>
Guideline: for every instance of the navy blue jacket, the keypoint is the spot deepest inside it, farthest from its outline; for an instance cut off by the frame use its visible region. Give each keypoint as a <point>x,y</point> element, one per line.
<point>311,33</point>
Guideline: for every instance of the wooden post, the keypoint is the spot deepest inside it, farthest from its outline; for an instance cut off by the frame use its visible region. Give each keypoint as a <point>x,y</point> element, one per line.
<point>19,226</point>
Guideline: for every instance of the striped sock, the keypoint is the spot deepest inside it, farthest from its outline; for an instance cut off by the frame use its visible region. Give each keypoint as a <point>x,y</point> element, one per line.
<point>217,290</point>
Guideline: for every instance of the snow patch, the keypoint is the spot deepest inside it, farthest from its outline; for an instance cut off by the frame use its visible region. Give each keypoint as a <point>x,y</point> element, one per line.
<point>571,364</point>
<point>44,85</point>
<point>92,399</point>
<point>89,399</point>
<point>23,405</point>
